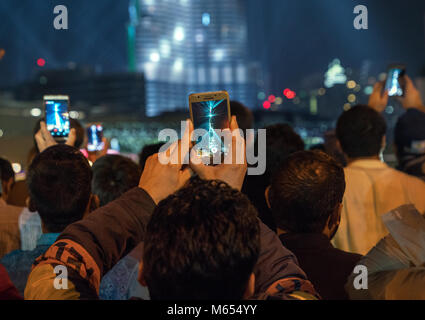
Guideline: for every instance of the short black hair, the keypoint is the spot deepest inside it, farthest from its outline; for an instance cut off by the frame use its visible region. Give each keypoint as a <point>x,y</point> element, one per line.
<point>201,243</point>
<point>360,131</point>
<point>59,185</point>
<point>244,116</point>
<point>147,151</point>
<point>6,170</point>
<point>73,123</point>
<point>281,141</point>
<point>113,175</point>
<point>305,191</point>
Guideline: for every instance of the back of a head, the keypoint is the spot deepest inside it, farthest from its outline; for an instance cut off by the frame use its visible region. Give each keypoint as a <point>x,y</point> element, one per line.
<point>59,184</point>
<point>113,175</point>
<point>201,243</point>
<point>243,115</point>
<point>360,132</point>
<point>305,191</point>
<point>282,141</point>
<point>409,134</point>
<point>6,170</point>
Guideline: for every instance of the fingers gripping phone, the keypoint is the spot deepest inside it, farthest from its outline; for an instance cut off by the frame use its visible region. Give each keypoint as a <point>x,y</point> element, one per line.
<point>210,111</point>
<point>57,116</point>
<point>395,80</point>
<point>95,137</point>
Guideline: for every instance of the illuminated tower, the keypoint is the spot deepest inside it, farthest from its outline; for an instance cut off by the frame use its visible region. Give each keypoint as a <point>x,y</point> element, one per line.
<point>188,46</point>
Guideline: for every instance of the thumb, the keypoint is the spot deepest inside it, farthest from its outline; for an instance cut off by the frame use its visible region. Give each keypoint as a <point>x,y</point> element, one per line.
<point>72,137</point>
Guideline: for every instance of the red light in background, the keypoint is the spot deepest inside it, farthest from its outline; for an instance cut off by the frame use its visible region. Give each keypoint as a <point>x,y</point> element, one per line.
<point>272,98</point>
<point>288,93</point>
<point>291,95</point>
<point>41,62</point>
<point>267,105</point>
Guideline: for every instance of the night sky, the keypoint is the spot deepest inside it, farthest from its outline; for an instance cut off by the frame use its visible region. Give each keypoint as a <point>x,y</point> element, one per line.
<point>292,38</point>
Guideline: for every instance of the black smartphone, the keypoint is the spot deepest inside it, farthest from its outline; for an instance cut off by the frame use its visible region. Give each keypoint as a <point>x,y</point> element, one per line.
<point>210,111</point>
<point>94,137</point>
<point>57,116</point>
<point>395,80</point>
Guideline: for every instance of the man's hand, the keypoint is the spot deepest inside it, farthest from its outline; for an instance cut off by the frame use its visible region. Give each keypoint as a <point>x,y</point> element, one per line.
<point>233,174</point>
<point>161,180</point>
<point>44,139</point>
<point>378,100</point>
<point>412,98</point>
<point>94,155</point>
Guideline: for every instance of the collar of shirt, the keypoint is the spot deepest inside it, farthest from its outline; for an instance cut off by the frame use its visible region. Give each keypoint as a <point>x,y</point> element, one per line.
<point>305,241</point>
<point>47,239</point>
<point>368,164</point>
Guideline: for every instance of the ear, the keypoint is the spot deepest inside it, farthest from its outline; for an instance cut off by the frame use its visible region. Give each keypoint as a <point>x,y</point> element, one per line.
<point>6,187</point>
<point>141,277</point>
<point>266,195</point>
<point>384,142</point>
<point>333,222</point>
<point>250,287</point>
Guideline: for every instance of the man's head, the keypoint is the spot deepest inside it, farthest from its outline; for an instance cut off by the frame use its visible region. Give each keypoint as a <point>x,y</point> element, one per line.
<point>113,175</point>
<point>59,185</point>
<point>7,178</point>
<point>361,132</point>
<point>306,193</point>
<point>74,124</point>
<point>281,141</point>
<point>147,151</point>
<point>243,114</point>
<point>409,139</point>
<point>201,243</point>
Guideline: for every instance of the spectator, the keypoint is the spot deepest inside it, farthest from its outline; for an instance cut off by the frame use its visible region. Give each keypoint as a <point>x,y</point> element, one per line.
<point>147,151</point>
<point>183,256</point>
<point>9,215</point>
<point>98,242</point>
<point>113,175</point>
<point>243,114</point>
<point>410,133</point>
<point>7,289</point>
<point>59,186</point>
<point>281,141</point>
<point>306,201</point>
<point>373,188</point>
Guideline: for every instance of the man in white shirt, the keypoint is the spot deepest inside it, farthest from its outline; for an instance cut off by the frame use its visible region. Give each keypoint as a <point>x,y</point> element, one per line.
<point>372,187</point>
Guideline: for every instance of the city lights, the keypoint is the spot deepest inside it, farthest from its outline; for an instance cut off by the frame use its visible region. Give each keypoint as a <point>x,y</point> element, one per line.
<point>351,84</point>
<point>35,112</point>
<point>206,19</point>
<point>41,62</point>
<point>179,34</point>
<point>352,98</point>
<point>267,105</point>
<point>155,57</point>
<point>272,98</point>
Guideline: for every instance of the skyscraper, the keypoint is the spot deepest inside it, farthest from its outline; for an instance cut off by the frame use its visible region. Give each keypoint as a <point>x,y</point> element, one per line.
<point>188,46</point>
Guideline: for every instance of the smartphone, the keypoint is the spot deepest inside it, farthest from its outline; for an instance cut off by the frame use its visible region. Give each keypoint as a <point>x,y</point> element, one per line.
<point>94,137</point>
<point>395,81</point>
<point>57,116</point>
<point>210,111</point>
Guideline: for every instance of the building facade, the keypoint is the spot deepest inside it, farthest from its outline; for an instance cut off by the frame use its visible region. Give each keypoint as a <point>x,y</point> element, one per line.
<point>189,46</point>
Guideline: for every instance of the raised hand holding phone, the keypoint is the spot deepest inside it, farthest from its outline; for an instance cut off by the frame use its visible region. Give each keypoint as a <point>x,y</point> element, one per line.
<point>44,139</point>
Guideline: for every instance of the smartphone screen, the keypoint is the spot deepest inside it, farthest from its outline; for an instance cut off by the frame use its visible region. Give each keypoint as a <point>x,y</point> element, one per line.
<point>57,117</point>
<point>209,116</point>
<point>393,85</point>
<point>95,135</point>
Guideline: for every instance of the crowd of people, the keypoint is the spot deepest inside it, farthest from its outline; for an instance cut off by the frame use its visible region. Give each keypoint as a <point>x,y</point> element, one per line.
<point>100,226</point>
